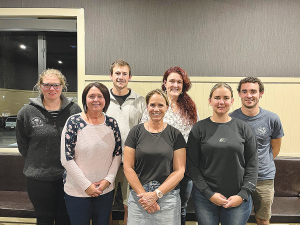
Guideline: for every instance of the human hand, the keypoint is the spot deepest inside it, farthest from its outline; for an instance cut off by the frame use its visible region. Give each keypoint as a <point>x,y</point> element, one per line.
<point>102,184</point>
<point>153,208</point>
<point>93,191</point>
<point>147,199</point>
<point>233,201</point>
<point>218,199</point>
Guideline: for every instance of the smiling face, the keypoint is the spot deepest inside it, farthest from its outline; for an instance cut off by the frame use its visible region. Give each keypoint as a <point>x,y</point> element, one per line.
<point>174,85</point>
<point>250,95</point>
<point>51,94</point>
<point>221,100</point>
<point>120,77</point>
<point>95,100</point>
<point>157,107</point>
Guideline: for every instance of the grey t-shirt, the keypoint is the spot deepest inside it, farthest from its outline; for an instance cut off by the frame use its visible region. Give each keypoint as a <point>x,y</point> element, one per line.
<point>154,152</point>
<point>265,125</point>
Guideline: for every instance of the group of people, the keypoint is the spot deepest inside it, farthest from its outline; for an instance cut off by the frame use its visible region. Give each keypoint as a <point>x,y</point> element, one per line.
<point>156,147</point>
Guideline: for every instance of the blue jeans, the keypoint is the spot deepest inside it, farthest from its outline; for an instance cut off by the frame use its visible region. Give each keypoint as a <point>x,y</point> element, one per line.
<point>81,210</point>
<point>208,213</point>
<point>186,186</point>
<point>169,213</point>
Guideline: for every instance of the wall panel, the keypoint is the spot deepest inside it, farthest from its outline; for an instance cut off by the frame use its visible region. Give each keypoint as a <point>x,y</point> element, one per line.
<point>280,96</point>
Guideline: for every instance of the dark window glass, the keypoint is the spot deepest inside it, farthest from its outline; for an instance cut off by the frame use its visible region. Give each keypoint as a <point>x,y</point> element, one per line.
<point>62,55</point>
<point>18,60</point>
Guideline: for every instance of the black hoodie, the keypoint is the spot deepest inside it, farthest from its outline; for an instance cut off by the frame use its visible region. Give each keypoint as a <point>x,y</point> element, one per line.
<point>38,138</point>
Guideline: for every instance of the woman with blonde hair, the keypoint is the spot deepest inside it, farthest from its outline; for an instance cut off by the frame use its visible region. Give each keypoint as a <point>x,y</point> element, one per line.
<point>38,131</point>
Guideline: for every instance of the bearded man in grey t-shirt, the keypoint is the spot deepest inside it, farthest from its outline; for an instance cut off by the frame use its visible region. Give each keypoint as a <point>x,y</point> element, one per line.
<point>268,130</point>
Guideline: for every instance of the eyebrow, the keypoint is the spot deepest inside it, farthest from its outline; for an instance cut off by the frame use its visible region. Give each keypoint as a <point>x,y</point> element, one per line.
<point>249,90</point>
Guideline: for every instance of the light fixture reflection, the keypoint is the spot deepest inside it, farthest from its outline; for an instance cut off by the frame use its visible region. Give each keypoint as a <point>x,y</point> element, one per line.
<point>60,62</point>
<point>23,47</point>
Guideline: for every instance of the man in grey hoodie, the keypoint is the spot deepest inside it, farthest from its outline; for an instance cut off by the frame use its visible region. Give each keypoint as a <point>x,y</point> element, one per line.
<point>127,107</point>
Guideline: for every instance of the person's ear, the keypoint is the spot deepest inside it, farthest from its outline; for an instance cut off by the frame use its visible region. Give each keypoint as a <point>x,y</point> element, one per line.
<point>209,101</point>
<point>260,94</point>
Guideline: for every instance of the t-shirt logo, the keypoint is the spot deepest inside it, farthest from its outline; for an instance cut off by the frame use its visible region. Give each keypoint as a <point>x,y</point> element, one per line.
<point>36,122</point>
<point>223,140</point>
<point>261,130</point>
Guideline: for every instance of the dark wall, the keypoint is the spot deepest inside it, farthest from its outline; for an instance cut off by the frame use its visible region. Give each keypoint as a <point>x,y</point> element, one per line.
<point>205,37</point>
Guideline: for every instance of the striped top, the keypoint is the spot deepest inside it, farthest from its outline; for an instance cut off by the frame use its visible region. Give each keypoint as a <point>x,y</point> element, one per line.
<point>54,114</point>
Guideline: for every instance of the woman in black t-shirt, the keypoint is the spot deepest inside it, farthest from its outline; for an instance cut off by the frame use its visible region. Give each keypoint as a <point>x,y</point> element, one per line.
<point>154,164</point>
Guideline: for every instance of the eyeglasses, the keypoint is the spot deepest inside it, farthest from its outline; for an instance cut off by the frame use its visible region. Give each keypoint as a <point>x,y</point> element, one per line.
<point>48,86</point>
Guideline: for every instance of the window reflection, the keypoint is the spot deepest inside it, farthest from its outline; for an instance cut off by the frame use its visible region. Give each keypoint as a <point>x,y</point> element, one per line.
<point>19,61</point>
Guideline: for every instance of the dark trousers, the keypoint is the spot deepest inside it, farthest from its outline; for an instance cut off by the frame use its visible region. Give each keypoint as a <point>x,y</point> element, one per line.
<point>83,209</point>
<point>48,202</point>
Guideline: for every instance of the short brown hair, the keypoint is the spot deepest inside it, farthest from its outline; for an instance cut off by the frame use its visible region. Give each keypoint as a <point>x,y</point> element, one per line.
<point>251,80</point>
<point>121,63</point>
<point>103,90</point>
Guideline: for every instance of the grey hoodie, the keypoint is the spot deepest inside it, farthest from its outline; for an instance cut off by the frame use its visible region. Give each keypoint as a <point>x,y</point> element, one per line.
<point>38,138</point>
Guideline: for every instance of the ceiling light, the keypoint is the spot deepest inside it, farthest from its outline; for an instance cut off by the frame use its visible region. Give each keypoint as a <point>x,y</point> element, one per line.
<point>23,47</point>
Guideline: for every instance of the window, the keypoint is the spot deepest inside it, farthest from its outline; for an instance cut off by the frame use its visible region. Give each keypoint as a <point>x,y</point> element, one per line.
<point>20,58</point>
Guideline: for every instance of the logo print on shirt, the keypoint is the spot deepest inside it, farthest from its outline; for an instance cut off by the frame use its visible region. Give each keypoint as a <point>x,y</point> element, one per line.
<point>261,130</point>
<point>223,140</point>
<point>36,122</point>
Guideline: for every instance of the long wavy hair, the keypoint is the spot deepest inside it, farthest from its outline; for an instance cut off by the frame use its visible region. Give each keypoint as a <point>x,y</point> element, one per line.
<point>187,107</point>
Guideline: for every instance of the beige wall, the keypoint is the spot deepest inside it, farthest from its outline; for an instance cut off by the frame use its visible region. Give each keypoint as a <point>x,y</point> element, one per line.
<point>280,97</point>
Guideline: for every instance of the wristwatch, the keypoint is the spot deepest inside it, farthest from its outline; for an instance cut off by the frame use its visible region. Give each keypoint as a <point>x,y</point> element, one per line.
<point>159,193</point>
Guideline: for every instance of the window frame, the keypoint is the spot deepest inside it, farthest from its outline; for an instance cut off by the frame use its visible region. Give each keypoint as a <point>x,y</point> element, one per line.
<point>56,13</point>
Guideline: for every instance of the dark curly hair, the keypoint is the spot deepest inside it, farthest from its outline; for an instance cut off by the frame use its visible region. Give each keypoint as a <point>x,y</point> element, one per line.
<point>185,103</point>
<point>251,80</point>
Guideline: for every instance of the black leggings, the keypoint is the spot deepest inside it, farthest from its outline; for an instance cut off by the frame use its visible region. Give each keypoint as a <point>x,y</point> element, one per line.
<point>48,202</point>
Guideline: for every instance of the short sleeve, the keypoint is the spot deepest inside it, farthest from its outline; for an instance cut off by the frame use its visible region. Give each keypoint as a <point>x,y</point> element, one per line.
<point>131,138</point>
<point>179,141</point>
<point>277,128</point>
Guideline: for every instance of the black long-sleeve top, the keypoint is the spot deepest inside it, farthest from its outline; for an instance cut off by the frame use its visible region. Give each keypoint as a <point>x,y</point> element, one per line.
<point>222,157</point>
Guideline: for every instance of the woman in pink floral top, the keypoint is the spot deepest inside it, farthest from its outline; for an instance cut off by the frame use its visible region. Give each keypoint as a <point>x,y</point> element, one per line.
<point>91,154</point>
